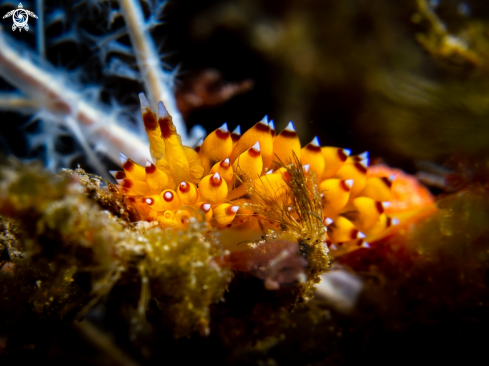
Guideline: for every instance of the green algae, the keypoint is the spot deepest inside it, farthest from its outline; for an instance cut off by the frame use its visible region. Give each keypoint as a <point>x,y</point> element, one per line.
<point>72,253</point>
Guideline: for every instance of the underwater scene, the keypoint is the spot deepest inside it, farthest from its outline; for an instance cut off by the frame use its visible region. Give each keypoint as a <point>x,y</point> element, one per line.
<point>244,182</point>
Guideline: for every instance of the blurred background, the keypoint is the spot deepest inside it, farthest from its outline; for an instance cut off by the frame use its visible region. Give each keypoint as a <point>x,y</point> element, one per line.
<point>405,80</point>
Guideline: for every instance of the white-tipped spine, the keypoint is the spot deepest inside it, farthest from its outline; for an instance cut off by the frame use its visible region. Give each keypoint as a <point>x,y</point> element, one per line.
<point>224,127</point>
<point>256,147</point>
<point>237,130</point>
<point>315,142</point>
<point>290,127</point>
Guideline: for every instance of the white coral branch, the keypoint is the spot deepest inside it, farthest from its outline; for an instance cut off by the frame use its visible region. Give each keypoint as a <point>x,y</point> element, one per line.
<point>156,81</point>
<point>56,95</point>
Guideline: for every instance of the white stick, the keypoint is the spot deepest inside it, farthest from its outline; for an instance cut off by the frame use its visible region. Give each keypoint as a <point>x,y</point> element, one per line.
<point>156,81</point>
<point>52,91</point>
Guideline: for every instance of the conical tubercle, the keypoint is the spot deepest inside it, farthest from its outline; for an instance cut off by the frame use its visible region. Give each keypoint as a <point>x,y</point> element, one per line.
<point>165,122</point>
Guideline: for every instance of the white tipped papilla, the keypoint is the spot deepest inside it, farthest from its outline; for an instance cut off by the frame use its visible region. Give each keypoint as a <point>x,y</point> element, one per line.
<point>361,235</point>
<point>347,152</point>
<point>290,127</point>
<point>256,147</point>
<point>117,174</point>
<point>224,127</point>
<point>328,220</point>
<point>162,111</point>
<point>306,168</point>
<point>349,182</point>
<point>123,158</point>
<point>315,142</point>
<point>363,155</point>
<point>237,130</point>
<point>144,101</point>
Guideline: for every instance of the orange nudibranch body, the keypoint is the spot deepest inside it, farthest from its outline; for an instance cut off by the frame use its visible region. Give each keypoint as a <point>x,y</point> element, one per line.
<point>226,175</point>
<point>216,147</point>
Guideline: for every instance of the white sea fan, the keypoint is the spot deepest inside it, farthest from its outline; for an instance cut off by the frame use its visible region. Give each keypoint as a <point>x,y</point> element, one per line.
<point>77,98</point>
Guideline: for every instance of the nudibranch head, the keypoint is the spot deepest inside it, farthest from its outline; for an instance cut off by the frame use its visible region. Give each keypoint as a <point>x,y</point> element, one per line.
<point>260,181</point>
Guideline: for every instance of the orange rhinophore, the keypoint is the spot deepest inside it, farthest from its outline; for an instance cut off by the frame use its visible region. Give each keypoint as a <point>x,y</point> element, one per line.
<point>259,183</point>
<point>181,163</point>
<point>156,143</point>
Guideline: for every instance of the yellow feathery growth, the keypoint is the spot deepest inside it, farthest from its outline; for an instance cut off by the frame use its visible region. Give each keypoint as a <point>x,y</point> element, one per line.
<point>317,194</point>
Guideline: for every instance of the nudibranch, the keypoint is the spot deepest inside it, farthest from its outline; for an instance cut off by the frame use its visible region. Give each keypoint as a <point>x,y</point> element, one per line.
<point>256,182</point>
